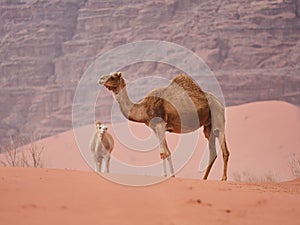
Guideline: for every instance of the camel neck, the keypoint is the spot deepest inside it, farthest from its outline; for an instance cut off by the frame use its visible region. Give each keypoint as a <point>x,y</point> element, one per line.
<point>100,136</point>
<point>129,109</point>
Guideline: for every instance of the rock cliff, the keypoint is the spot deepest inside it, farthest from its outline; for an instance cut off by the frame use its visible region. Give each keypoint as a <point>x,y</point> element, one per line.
<point>252,47</point>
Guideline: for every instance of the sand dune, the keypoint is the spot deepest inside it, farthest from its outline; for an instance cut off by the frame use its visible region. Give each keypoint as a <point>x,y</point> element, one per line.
<point>46,196</point>
<point>261,137</point>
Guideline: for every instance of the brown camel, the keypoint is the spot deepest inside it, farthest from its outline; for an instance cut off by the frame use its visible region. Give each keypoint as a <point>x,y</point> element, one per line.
<point>101,145</point>
<point>179,107</point>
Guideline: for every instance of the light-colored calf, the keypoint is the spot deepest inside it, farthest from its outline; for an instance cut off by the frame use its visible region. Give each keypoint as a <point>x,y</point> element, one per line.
<point>101,146</point>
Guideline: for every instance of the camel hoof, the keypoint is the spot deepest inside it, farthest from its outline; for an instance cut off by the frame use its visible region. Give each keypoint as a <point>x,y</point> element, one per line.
<point>164,175</point>
<point>224,179</point>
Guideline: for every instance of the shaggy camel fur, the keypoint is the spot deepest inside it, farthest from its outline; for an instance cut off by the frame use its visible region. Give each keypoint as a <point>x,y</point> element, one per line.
<point>101,145</point>
<point>179,107</point>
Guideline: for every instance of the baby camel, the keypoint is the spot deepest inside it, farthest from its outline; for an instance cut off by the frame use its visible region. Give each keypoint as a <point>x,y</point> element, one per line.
<point>101,145</point>
<point>180,107</point>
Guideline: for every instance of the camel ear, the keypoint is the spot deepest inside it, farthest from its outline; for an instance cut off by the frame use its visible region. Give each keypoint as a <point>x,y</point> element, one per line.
<point>118,74</point>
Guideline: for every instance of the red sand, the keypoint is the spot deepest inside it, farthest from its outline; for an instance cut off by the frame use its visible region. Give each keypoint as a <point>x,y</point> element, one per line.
<point>44,196</point>
<point>261,137</point>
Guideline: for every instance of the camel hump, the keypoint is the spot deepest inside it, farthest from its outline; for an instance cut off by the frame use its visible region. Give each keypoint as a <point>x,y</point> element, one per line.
<point>185,82</point>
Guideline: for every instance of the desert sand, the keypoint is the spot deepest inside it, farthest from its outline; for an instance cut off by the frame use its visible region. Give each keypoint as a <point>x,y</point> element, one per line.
<point>48,196</point>
<point>261,137</point>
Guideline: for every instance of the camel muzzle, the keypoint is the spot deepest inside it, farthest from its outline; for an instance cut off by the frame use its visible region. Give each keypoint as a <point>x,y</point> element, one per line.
<point>103,79</point>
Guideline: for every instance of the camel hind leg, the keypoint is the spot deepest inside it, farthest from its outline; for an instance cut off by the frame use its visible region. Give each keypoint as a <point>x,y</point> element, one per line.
<point>225,153</point>
<point>212,149</point>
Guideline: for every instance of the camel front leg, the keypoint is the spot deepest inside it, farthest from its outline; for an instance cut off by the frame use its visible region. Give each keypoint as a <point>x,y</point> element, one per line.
<point>98,160</point>
<point>166,155</point>
<point>171,166</point>
<point>99,164</point>
<point>107,163</point>
<point>164,150</point>
<point>164,169</point>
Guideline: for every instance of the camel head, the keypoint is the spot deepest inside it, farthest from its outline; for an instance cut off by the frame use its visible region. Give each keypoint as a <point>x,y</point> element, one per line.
<point>100,129</point>
<point>113,82</point>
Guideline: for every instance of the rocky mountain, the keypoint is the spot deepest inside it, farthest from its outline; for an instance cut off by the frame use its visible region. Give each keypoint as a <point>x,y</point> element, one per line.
<point>46,45</point>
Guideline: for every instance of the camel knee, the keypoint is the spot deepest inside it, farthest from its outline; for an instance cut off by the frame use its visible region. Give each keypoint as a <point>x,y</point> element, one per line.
<point>225,151</point>
<point>212,149</point>
<point>165,155</point>
<point>226,156</point>
<point>171,166</point>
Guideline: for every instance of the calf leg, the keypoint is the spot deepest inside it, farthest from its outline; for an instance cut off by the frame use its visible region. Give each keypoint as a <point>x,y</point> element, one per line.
<point>99,164</point>
<point>107,163</point>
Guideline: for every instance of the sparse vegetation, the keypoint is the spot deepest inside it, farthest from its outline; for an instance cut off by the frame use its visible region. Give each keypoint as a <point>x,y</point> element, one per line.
<point>28,155</point>
<point>294,163</point>
<point>246,176</point>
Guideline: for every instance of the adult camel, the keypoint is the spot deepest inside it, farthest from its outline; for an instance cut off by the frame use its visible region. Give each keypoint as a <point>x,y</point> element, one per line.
<point>180,107</point>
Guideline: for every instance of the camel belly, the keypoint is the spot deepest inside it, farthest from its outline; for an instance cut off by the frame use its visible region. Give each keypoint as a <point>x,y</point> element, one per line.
<point>101,152</point>
<point>179,131</point>
<point>187,122</point>
<point>180,127</point>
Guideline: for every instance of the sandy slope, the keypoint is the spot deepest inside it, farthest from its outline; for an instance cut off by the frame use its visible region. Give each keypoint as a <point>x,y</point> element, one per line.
<point>261,137</point>
<point>45,196</point>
